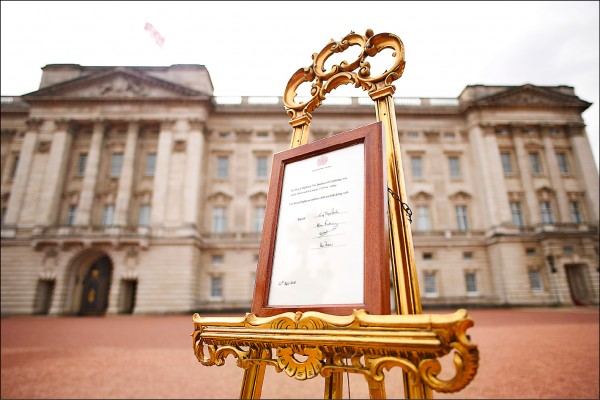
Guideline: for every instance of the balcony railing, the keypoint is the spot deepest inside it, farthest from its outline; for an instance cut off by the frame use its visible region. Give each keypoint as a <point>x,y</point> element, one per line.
<point>337,101</point>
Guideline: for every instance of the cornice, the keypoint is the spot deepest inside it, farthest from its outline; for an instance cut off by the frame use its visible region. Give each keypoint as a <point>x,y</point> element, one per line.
<point>112,72</point>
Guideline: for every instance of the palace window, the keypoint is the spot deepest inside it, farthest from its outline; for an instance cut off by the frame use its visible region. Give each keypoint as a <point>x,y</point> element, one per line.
<point>536,166</point>
<point>563,165</point>
<point>454,165</point>
<point>116,164</point>
<point>568,249</point>
<point>546,212</point>
<point>530,251</point>
<point>72,212</point>
<point>261,167</point>
<point>416,163</point>
<point>576,215</point>
<point>506,163</point>
<point>468,255</point>
<point>427,256</point>
<point>222,167</point>
<point>217,259</point>
<point>259,217</point>
<point>81,163</point>
<point>219,220</point>
<point>109,214</point>
<point>145,210</point>
<point>430,284</point>
<point>462,219</point>
<point>216,286</point>
<point>423,219</point>
<point>535,280</point>
<point>471,283</point>
<point>150,164</point>
<point>517,214</point>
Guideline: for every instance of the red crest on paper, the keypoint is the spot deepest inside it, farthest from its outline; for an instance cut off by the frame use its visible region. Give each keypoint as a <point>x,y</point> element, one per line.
<point>322,160</point>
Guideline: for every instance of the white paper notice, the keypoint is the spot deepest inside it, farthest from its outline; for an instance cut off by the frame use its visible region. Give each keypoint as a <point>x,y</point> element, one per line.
<point>319,249</point>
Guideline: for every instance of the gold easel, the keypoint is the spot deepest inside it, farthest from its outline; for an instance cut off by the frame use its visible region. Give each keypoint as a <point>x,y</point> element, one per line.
<point>358,343</point>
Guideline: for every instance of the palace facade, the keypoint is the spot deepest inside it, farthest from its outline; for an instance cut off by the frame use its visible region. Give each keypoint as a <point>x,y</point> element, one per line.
<point>135,190</point>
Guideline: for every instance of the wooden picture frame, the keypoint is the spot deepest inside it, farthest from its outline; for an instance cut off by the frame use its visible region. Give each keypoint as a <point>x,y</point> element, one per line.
<point>325,244</point>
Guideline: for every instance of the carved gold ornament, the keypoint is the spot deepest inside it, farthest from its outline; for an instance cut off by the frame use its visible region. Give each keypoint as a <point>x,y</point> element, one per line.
<point>308,344</point>
<point>312,343</point>
<point>357,72</point>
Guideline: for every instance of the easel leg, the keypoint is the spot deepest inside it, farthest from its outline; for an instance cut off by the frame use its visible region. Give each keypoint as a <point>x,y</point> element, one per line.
<point>415,390</point>
<point>334,385</point>
<point>376,389</point>
<point>253,381</point>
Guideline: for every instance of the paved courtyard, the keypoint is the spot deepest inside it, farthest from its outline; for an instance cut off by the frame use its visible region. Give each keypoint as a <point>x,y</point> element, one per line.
<point>525,353</point>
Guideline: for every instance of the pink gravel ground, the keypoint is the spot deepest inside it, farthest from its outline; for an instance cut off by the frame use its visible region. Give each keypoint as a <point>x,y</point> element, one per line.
<point>524,353</point>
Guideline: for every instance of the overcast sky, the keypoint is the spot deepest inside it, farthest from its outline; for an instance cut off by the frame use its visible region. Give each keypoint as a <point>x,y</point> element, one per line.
<point>253,48</point>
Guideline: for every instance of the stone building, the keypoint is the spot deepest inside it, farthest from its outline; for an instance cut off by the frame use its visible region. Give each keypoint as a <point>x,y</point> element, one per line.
<point>134,189</point>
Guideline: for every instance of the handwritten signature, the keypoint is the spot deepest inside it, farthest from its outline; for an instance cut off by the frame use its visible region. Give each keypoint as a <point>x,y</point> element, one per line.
<point>327,223</point>
<point>328,213</point>
<point>286,283</point>
<point>326,231</point>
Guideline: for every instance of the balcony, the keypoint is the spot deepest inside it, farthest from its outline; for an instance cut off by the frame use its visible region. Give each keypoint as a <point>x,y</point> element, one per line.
<point>335,101</point>
<point>89,235</point>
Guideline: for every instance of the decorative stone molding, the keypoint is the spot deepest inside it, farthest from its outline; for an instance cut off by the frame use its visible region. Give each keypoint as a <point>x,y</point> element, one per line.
<point>179,146</point>
<point>545,193</point>
<point>460,196</point>
<point>122,87</point>
<point>34,124</point>
<point>48,274</point>
<point>44,146</point>
<point>421,196</point>
<point>143,196</point>
<point>259,197</point>
<point>220,197</point>
<point>130,275</point>
<point>72,197</point>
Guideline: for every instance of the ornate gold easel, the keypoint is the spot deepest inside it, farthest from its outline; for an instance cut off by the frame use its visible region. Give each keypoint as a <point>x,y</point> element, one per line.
<point>358,343</point>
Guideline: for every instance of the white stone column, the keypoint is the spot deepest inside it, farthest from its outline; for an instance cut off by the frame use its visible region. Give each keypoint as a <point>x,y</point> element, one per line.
<point>55,174</point>
<point>88,188</point>
<point>556,180</point>
<point>586,167</point>
<point>483,178</point>
<point>163,158</point>
<point>126,176</point>
<point>19,185</point>
<point>526,180</point>
<point>501,214</point>
<point>193,176</point>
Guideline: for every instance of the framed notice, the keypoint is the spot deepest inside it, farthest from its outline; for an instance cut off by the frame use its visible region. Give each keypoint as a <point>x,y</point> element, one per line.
<point>325,243</point>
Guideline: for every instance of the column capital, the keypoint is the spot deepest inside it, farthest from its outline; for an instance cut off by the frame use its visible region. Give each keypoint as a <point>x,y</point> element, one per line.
<point>197,124</point>
<point>63,124</point>
<point>487,128</point>
<point>575,128</point>
<point>34,124</point>
<point>134,126</point>
<point>167,124</point>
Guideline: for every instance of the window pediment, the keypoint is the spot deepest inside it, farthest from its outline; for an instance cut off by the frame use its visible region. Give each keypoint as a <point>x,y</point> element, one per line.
<point>461,195</point>
<point>220,197</point>
<point>421,196</point>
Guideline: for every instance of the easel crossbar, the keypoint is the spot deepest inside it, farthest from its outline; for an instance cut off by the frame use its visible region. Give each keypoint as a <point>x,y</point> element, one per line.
<point>359,343</point>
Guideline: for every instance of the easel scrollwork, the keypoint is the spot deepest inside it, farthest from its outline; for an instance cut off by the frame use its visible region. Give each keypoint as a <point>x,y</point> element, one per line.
<point>330,345</point>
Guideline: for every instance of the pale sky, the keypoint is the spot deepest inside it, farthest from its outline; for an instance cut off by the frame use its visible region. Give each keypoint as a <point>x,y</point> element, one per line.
<point>253,48</point>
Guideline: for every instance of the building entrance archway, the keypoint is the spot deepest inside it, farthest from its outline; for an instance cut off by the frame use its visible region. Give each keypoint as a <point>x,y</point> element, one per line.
<point>96,285</point>
<point>578,287</point>
<point>89,280</point>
